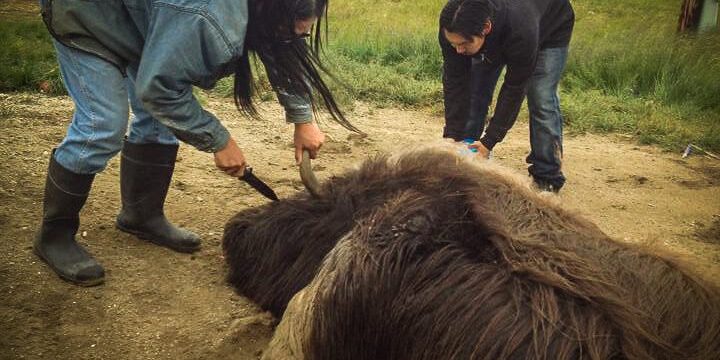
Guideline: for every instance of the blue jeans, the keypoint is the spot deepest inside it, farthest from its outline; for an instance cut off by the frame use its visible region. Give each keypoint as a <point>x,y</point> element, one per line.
<point>546,121</point>
<point>103,98</point>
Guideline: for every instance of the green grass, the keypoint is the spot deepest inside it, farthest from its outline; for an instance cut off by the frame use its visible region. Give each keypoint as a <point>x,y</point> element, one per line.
<point>628,71</point>
<point>26,56</point>
<point>386,51</point>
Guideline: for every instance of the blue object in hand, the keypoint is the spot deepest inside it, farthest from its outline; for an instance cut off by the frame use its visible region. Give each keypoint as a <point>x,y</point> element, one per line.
<point>470,141</point>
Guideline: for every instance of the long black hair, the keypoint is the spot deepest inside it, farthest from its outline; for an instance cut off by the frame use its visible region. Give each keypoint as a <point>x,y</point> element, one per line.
<point>271,36</point>
<point>466,17</point>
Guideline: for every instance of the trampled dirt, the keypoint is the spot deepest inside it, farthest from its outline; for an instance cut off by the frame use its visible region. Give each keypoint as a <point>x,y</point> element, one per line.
<point>157,304</point>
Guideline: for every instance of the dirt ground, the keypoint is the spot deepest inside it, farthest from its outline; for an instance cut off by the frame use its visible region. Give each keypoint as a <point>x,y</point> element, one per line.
<point>157,304</point>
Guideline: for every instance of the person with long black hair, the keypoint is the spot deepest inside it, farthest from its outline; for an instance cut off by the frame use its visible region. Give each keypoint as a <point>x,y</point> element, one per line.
<point>530,39</point>
<point>146,55</point>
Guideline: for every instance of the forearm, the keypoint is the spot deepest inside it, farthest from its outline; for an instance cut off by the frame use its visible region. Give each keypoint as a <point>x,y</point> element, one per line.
<point>484,78</point>
<point>506,112</point>
<point>188,121</point>
<point>297,105</point>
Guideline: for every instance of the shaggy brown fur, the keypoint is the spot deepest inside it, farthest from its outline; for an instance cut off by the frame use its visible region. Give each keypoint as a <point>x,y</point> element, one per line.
<point>443,259</point>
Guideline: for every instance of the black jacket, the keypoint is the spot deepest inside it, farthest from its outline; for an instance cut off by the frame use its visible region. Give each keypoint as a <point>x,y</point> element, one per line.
<point>520,28</point>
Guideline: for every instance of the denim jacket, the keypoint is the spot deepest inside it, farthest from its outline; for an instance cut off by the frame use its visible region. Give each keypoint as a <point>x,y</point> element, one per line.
<point>174,45</point>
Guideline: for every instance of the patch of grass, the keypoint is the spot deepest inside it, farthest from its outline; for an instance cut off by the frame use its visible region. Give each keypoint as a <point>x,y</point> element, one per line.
<point>672,70</point>
<point>628,70</point>
<point>651,122</point>
<point>387,52</point>
<point>382,84</point>
<point>27,58</point>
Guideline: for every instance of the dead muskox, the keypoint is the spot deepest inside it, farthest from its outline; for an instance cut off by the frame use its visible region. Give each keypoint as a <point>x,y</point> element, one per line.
<point>426,255</point>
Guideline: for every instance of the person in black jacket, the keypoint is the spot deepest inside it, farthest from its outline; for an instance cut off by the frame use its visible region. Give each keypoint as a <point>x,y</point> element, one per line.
<point>530,39</point>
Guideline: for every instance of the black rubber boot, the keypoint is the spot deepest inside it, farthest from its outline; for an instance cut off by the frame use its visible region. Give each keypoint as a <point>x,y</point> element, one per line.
<point>145,173</point>
<point>65,195</point>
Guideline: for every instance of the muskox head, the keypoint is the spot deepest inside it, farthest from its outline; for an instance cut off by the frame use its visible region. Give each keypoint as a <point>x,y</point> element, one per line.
<point>425,255</point>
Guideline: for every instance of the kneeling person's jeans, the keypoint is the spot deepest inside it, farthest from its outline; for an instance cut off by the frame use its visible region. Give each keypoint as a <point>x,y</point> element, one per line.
<point>546,122</point>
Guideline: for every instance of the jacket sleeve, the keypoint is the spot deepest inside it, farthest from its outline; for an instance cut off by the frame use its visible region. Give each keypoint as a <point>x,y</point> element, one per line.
<point>520,57</point>
<point>298,108</point>
<point>183,49</point>
<point>456,89</point>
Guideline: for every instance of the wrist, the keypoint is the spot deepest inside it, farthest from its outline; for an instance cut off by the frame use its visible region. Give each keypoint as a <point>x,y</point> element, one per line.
<point>488,143</point>
<point>230,142</point>
<point>304,124</point>
<point>304,119</point>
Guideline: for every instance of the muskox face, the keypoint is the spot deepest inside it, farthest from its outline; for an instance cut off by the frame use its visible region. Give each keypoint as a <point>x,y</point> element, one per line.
<point>425,255</point>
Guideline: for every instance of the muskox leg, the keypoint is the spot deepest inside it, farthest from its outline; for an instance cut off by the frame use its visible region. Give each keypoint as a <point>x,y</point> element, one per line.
<point>292,335</point>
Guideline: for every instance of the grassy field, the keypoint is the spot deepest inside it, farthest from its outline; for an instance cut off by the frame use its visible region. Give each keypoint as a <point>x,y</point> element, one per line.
<point>628,71</point>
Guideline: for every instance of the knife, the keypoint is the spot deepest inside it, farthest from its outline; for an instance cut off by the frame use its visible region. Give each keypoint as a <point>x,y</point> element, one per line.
<point>258,184</point>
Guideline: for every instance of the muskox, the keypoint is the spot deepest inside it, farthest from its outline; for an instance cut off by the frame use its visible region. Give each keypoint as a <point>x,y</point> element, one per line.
<point>427,255</point>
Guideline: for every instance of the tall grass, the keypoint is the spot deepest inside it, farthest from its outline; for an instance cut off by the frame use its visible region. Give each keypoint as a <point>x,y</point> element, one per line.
<point>637,53</point>
<point>386,51</point>
<point>628,70</point>
<point>26,56</point>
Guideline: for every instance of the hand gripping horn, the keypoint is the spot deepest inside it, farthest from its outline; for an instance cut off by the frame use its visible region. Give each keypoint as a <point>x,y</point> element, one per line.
<point>308,176</point>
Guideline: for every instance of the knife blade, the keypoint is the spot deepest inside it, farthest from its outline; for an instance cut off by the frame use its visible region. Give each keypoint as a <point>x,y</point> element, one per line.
<point>258,184</point>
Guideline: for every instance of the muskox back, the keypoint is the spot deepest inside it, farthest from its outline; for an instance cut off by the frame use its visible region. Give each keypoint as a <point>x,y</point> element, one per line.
<point>427,256</point>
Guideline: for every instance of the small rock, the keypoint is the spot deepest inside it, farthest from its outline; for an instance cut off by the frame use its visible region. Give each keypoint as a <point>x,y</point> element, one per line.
<point>180,185</point>
<point>356,137</point>
<point>640,180</point>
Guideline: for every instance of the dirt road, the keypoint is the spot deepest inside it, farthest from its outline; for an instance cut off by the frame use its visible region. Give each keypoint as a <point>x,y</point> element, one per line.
<point>157,304</point>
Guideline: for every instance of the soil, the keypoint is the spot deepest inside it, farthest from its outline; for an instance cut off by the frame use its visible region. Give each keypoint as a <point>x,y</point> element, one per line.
<point>158,304</point>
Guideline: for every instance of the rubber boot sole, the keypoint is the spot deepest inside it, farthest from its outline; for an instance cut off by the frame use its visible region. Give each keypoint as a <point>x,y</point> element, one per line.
<point>57,271</point>
<point>145,236</point>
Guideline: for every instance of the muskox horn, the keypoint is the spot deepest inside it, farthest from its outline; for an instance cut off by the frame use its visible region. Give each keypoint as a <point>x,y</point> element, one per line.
<point>308,176</point>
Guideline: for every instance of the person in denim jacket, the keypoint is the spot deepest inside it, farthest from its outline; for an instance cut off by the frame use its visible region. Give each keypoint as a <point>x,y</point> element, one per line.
<point>529,38</point>
<point>146,56</point>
